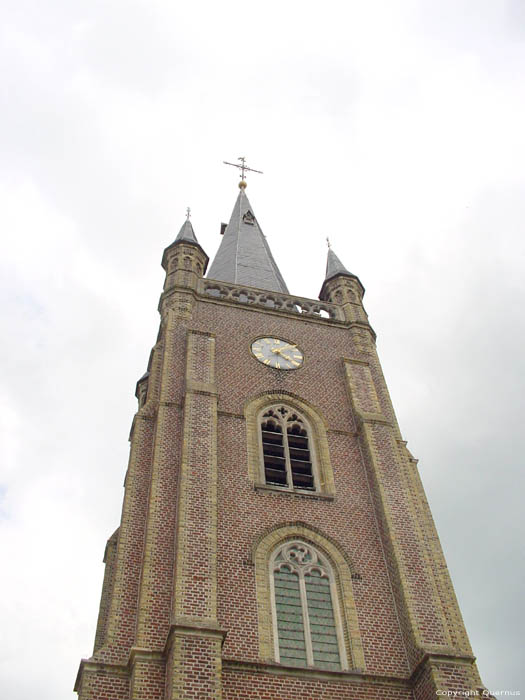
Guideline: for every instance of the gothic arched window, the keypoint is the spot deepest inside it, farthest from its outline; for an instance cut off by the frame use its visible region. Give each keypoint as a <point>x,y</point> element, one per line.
<point>307,625</point>
<point>288,446</point>
<point>287,454</point>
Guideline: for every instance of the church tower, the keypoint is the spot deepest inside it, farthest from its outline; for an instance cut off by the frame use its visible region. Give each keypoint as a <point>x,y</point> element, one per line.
<point>275,540</point>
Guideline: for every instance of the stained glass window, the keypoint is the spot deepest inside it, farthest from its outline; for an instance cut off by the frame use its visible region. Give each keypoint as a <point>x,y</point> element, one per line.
<point>308,632</point>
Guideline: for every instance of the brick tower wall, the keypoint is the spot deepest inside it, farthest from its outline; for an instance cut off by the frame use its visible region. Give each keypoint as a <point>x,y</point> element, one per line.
<point>182,607</point>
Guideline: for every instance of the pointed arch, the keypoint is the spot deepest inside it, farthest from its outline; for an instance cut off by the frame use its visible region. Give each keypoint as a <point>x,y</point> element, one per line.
<point>307,620</point>
<point>264,551</point>
<point>315,424</point>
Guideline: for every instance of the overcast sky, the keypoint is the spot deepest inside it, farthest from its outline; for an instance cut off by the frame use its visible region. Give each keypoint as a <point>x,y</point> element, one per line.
<point>395,127</point>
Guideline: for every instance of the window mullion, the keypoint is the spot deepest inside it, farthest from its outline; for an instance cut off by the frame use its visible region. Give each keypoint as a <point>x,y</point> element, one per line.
<point>306,621</point>
<point>338,619</point>
<point>287,456</point>
<point>274,616</point>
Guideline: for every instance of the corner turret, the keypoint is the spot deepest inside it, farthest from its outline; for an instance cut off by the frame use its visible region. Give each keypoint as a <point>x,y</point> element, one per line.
<point>344,288</point>
<point>184,260</point>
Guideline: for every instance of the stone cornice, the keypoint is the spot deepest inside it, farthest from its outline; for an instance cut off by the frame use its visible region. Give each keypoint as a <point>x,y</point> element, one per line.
<point>346,433</point>
<point>288,309</point>
<point>271,302</point>
<point>195,387</point>
<point>364,418</point>
<point>351,676</point>
<point>192,627</point>
<point>436,658</point>
<point>441,658</point>
<point>188,626</point>
<point>147,655</point>
<point>316,495</point>
<point>231,415</point>
<point>310,674</point>
<point>97,667</point>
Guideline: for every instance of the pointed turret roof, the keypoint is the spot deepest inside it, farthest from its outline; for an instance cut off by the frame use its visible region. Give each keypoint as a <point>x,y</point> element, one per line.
<point>334,266</point>
<point>244,256</point>
<point>185,235</point>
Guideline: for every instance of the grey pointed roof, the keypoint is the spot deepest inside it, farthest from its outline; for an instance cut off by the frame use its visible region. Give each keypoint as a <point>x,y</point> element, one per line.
<point>334,266</point>
<point>244,256</point>
<point>187,233</point>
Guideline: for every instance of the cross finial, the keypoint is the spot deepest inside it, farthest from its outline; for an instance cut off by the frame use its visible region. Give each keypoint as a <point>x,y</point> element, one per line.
<point>188,213</point>
<point>243,168</point>
<point>328,242</point>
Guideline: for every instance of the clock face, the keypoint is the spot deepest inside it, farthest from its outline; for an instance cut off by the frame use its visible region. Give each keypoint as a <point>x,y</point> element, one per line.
<point>277,353</point>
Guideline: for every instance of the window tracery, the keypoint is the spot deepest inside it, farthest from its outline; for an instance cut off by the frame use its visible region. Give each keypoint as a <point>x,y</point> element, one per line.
<point>307,623</point>
<point>286,450</point>
<point>311,422</point>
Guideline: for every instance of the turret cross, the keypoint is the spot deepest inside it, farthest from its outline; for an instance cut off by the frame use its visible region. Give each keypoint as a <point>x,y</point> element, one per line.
<point>242,167</point>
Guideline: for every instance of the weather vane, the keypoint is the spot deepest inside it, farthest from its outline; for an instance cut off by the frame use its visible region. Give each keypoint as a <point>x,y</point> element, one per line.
<point>328,242</point>
<point>188,213</point>
<point>243,168</point>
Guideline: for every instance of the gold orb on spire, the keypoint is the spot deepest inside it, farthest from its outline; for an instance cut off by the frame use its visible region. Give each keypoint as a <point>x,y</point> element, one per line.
<point>243,184</point>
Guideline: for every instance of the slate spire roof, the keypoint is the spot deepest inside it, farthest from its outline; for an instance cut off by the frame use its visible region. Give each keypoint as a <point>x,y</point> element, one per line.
<point>334,266</point>
<point>244,256</point>
<point>187,233</point>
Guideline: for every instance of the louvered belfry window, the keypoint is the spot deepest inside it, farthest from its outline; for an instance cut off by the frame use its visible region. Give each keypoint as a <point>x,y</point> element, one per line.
<point>286,449</point>
<point>307,631</point>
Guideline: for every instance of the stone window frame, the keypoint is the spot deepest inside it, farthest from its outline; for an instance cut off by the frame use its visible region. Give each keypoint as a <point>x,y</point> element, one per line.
<point>321,563</point>
<point>318,443</point>
<point>262,417</point>
<point>342,568</point>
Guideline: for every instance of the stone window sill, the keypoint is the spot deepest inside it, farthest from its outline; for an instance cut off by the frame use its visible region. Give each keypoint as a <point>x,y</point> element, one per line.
<point>316,495</point>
